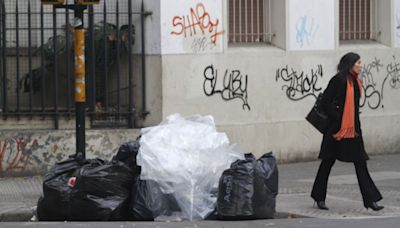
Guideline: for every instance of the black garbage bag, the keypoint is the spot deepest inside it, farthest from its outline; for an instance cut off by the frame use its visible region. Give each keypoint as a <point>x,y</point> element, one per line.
<point>236,190</point>
<point>248,189</point>
<point>148,201</point>
<point>53,205</point>
<point>265,187</point>
<point>268,165</point>
<point>102,192</point>
<point>127,153</point>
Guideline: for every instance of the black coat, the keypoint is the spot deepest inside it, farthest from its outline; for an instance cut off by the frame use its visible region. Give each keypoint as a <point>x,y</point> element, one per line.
<point>348,150</point>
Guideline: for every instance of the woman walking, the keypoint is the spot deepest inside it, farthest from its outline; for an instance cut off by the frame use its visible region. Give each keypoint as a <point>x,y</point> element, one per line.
<point>343,139</point>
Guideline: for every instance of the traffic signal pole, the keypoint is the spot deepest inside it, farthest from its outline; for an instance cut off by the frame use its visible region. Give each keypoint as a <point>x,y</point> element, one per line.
<point>80,95</point>
<point>80,86</point>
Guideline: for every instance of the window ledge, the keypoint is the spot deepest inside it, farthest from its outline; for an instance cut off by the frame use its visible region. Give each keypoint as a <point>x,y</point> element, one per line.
<point>252,48</point>
<point>361,44</point>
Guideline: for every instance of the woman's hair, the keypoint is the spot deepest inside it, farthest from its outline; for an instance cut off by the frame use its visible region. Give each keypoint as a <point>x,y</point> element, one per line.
<point>347,62</point>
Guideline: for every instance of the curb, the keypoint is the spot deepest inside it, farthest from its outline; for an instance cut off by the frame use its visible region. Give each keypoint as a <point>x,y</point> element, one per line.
<point>288,215</point>
<point>18,215</point>
<point>28,214</point>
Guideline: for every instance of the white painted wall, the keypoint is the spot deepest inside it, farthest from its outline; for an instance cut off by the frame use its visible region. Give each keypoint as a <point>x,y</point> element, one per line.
<point>152,27</point>
<point>396,25</point>
<point>279,28</point>
<point>191,26</point>
<point>311,25</point>
<point>246,88</point>
<point>275,120</point>
<point>385,22</point>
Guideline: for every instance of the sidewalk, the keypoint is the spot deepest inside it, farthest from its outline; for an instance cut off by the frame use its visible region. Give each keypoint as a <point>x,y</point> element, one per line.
<point>344,197</point>
<point>18,196</point>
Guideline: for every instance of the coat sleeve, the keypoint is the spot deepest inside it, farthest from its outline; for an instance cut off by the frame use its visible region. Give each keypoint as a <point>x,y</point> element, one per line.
<point>328,99</point>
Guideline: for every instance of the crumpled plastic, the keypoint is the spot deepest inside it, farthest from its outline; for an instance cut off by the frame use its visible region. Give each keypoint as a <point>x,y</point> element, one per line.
<point>186,157</point>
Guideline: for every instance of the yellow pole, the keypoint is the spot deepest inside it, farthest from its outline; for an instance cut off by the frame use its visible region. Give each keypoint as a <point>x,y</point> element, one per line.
<point>80,95</point>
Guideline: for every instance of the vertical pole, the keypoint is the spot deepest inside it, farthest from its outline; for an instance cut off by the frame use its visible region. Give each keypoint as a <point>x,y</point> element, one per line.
<point>3,61</point>
<point>144,108</point>
<point>55,68</point>
<point>43,87</point>
<point>234,20</point>
<point>246,32</point>
<point>118,61</point>
<point>240,21</point>
<point>91,61</point>
<point>131,121</point>
<point>30,59</point>
<point>68,62</point>
<point>104,81</point>
<point>17,55</point>
<point>80,96</point>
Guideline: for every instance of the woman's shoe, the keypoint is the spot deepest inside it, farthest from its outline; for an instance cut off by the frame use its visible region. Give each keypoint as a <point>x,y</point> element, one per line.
<point>321,205</point>
<point>374,206</point>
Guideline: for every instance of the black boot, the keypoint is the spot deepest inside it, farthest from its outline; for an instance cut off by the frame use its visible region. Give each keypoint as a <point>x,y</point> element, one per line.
<point>321,205</point>
<point>374,206</point>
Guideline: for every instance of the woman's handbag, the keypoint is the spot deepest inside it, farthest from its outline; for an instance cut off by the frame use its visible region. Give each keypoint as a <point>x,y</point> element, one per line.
<point>317,117</point>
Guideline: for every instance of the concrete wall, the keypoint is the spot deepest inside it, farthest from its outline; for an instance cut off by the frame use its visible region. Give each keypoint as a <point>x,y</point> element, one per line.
<point>260,94</point>
<point>153,93</point>
<point>264,108</point>
<point>191,26</point>
<point>27,152</point>
<point>152,26</point>
<point>396,22</point>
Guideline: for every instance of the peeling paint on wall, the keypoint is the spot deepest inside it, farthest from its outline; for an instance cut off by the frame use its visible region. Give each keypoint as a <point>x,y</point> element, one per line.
<point>16,153</point>
<point>29,153</point>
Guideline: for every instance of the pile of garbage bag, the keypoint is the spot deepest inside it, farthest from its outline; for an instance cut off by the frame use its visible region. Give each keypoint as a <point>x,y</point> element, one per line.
<point>89,190</point>
<point>186,157</point>
<point>248,189</point>
<point>182,169</point>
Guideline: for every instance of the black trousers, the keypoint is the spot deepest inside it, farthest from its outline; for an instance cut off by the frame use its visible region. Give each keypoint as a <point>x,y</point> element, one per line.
<point>369,191</point>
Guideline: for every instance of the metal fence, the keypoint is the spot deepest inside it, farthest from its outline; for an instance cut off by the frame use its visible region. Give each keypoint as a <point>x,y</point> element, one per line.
<point>37,63</point>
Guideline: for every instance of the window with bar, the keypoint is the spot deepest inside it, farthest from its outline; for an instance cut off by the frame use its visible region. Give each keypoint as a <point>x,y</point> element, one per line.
<point>248,21</point>
<point>37,61</point>
<point>355,19</point>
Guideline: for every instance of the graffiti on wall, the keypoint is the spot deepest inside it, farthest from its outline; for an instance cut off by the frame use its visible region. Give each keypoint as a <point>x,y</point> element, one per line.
<point>16,153</point>
<point>371,94</point>
<point>311,28</point>
<point>392,78</point>
<point>306,29</point>
<point>299,84</point>
<point>202,44</point>
<point>393,74</point>
<point>197,21</point>
<point>231,86</point>
<point>398,29</point>
<point>199,28</point>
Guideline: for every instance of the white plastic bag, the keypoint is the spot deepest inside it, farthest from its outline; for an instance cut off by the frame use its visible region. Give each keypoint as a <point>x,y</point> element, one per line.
<point>186,157</point>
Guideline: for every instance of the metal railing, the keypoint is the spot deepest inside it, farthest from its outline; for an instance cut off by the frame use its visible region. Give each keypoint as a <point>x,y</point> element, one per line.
<point>355,19</point>
<point>37,64</point>
<point>249,21</point>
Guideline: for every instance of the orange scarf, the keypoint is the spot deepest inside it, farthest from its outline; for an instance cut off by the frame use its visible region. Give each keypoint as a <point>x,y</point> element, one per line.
<point>347,129</point>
